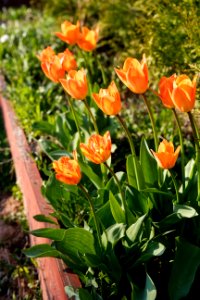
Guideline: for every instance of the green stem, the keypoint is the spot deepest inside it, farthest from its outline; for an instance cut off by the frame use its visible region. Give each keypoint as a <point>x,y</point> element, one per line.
<point>154,133</point>
<point>175,185</point>
<point>120,190</point>
<point>75,119</point>
<point>127,132</point>
<point>182,147</point>
<point>92,117</point>
<point>93,212</point>
<point>152,121</point>
<point>196,136</point>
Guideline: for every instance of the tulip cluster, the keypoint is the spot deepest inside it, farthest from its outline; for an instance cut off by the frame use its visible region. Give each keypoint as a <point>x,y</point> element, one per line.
<point>131,212</point>
<point>178,92</point>
<point>72,34</point>
<point>174,92</point>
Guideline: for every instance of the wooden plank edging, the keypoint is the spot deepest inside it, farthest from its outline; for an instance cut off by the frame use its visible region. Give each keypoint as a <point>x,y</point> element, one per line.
<point>52,272</point>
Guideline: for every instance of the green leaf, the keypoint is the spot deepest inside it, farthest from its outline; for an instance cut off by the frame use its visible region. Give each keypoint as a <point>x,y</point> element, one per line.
<point>51,233</point>
<point>137,201</point>
<point>84,294</point>
<point>42,250</point>
<point>114,233</point>
<point>44,127</point>
<point>77,240</point>
<point>105,216</point>
<point>134,232</point>
<point>148,164</point>
<point>55,155</point>
<point>180,212</point>
<point>185,211</point>
<point>153,249</point>
<point>63,130</point>
<point>43,218</point>
<point>148,293</point>
<point>130,167</point>
<point>87,170</point>
<point>185,265</point>
<point>117,211</point>
<point>112,185</point>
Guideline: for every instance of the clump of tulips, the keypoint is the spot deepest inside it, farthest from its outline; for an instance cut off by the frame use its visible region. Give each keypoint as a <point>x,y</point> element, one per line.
<point>140,238</point>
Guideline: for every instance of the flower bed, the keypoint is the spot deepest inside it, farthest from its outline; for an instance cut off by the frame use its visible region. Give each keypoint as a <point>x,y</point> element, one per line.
<point>53,274</point>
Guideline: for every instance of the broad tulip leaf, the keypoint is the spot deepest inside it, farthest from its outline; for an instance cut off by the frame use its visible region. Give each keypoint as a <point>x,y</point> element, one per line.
<point>180,212</point>
<point>42,250</point>
<point>94,178</point>
<point>44,127</point>
<point>63,130</point>
<point>46,219</point>
<point>51,233</point>
<point>77,240</point>
<point>55,155</point>
<point>153,249</point>
<point>115,232</point>
<point>137,201</point>
<point>185,211</point>
<point>148,293</point>
<point>134,232</point>
<point>105,216</point>
<point>131,165</point>
<point>148,164</point>
<point>112,185</point>
<point>185,265</point>
<point>116,209</point>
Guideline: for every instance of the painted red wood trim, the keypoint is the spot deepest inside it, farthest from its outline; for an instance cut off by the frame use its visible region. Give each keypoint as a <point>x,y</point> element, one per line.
<point>53,274</point>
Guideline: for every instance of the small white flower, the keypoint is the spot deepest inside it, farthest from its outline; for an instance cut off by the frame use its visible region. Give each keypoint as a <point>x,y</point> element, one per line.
<point>4,38</point>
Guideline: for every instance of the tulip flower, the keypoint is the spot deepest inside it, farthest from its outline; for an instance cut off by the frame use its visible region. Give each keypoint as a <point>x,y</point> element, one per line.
<point>166,157</point>
<point>67,170</point>
<point>183,94</point>
<point>53,68</point>
<point>134,75</point>
<point>75,84</point>
<point>69,32</point>
<point>108,100</point>
<point>88,39</point>
<point>68,60</point>
<point>46,54</point>
<point>165,90</point>
<point>98,149</point>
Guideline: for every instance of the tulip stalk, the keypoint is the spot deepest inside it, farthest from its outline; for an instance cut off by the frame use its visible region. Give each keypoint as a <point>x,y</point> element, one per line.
<point>75,119</point>
<point>196,136</point>
<point>127,132</point>
<point>120,190</point>
<point>182,147</point>
<point>152,121</point>
<point>175,186</point>
<point>82,188</point>
<point>92,117</point>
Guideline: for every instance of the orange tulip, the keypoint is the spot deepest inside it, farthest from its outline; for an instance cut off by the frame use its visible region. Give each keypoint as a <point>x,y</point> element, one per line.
<point>53,68</point>
<point>134,75</point>
<point>88,39</point>
<point>108,100</point>
<point>98,149</point>
<point>75,84</point>
<point>68,60</point>
<point>46,54</point>
<point>165,90</point>
<point>166,157</point>
<point>67,170</point>
<point>183,94</point>
<point>69,32</point>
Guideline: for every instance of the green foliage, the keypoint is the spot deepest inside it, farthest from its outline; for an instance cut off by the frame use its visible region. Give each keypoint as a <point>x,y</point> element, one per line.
<point>118,229</point>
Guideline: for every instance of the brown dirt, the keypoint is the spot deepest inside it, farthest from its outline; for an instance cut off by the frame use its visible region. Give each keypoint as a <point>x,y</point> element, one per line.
<point>18,276</point>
